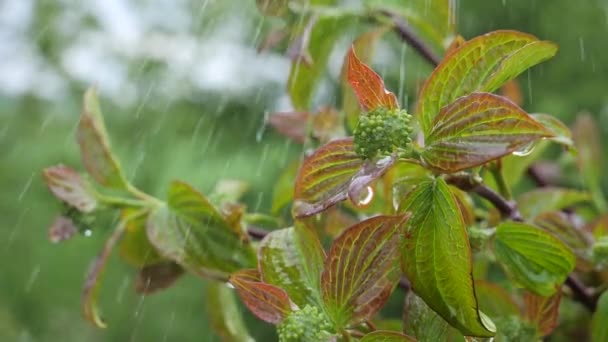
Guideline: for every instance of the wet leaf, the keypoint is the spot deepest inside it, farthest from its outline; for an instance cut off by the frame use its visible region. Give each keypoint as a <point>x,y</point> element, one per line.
<point>160,276</point>
<point>481,64</point>
<point>291,124</point>
<point>495,301</point>
<point>364,47</point>
<point>92,283</point>
<point>190,231</point>
<point>327,124</point>
<point>368,85</point>
<point>304,77</point>
<point>369,172</point>
<point>534,258</point>
<point>267,302</point>
<point>542,311</point>
<point>512,91</point>
<point>423,323</point>
<point>599,328</point>
<point>67,185</point>
<point>324,177</point>
<point>561,133</point>
<point>436,257</point>
<point>135,248</point>
<point>547,199</point>
<point>589,156</point>
<point>94,144</point>
<point>292,259</point>
<point>476,129</point>
<point>225,315</point>
<point>274,8</point>
<point>558,224</point>
<point>362,269</point>
<point>465,204</point>
<point>282,192</point>
<point>62,229</point>
<point>386,336</point>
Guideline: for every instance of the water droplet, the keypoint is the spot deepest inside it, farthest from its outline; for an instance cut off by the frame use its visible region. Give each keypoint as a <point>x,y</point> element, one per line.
<point>88,233</point>
<point>230,286</point>
<point>366,196</point>
<point>526,150</point>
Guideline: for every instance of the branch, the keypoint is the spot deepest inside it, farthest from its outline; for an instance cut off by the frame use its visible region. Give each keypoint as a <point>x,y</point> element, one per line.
<point>408,35</point>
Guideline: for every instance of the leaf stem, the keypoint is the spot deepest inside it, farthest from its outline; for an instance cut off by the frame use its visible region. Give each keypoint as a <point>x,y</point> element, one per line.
<point>496,170</point>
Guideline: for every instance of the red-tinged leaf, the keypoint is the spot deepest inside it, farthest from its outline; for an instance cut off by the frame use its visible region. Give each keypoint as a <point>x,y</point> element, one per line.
<point>292,259</point>
<point>94,144</point>
<point>368,85</point>
<point>482,64</point>
<point>291,124</point>
<point>267,302</point>
<point>370,171</point>
<point>542,311</point>
<point>156,277</point>
<point>512,91</point>
<point>324,177</point>
<point>561,132</point>
<point>494,300</point>
<point>386,336</point>
<point>364,47</point>
<point>92,282</point>
<point>542,200</point>
<point>454,45</point>
<point>62,229</point>
<point>361,269</point>
<point>225,315</point>
<point>589,146</point>
<point>436,257</point>
<point>476,129</point>
<point>67,185</point>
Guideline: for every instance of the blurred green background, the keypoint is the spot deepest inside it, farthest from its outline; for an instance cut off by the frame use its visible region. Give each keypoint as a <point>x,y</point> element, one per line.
<point>186,95</point>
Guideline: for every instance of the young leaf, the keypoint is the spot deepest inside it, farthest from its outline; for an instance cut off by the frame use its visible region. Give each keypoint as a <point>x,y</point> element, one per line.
<point>362,269</point>
<point>386,336</point>
<point>291,124</point>
<point>62,228</point>
<point>92,282</point>
<point>224,313</point>
<point>190,231</point>
<point>94,144</point>
<point>599,328</point>
<point>534,258</point>
<point>267,302</point>
<point>476,129</point>
<point>292,259</point>
<point>367,85</point>
<point>67,185</point>
<point>135,248</point>
<point>561,133</point>
<point>324,177</point>
<point>154,277</point>
<point>548,199</point>
<point>542,311</point>
<point>482,64</point>
<point>436,257</point>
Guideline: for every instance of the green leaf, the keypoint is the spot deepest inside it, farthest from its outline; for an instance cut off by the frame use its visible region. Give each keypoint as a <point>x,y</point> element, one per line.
<point>362,269</point>
<point>542,311</point>
<point>190,231</point>
<point>590,156</point>
<point>548,199</point>
<point>436,257</point>
<point>481,64</point>
<point>292,259</point>
<point>368,85</point>
<point>558,224</point>
<point>224,314</point>
<point>423,323</point>
<point>135,248</point>
<point>433,19</point>
<point>476,129</point>
<point>534,258</point>
<point>267,302</point>
<point>386,336</point>
<point>561,133</point>
<point>95,148</point>
<point>92,283</point>
<point>282,192</point>
<point>67,185</point>
<point>159,276</point>
<point>324,177</point>
<point>304,78</point>
<point>599,328</point>
<point>495,301</point>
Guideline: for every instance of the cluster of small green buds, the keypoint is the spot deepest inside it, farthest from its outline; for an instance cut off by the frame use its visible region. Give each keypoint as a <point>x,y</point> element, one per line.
<point>381,131</point>
<point>306,325</point>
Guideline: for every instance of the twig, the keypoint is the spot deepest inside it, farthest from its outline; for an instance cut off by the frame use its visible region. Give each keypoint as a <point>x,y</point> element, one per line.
<point>256,233</point>
<point>408,35</point>
<point>581,293</point>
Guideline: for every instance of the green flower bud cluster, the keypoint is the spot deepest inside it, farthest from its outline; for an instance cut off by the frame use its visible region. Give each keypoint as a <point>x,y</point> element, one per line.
<point>307,325</point>
<point>381,131</point>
